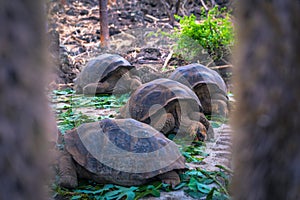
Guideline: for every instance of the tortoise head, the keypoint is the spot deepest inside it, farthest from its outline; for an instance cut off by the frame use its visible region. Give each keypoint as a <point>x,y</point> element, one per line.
<point>220,108</point>
<point>198,130</point>
<point>135,83</point>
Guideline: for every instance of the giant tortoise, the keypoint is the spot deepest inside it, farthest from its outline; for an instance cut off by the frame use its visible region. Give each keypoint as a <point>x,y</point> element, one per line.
<point>207,84</point>
<point>120,151</point>
<point>169,107</point>
<point>107,74</point>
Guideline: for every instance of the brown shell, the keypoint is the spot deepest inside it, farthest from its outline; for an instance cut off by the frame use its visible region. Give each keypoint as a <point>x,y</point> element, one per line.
<point>123,150</point>
<point>99,69</point>
<point>159,92</point>
<point>194,74</point>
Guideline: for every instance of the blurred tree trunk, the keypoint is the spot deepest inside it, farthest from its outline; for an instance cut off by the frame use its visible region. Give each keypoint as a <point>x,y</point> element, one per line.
<point>267,138</point>
<point>104,31</point>
<point>23,104</point>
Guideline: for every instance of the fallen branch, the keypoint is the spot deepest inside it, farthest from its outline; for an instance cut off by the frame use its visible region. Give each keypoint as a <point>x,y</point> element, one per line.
<point>168,59</point>
<point>204,5</point>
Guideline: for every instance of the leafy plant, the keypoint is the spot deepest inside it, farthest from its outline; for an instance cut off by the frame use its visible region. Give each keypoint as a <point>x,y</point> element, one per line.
<point>73,100</point>
<point>196,183</point>
<point>110,191</point>
<point>70,119</point>
<point>212,185</point>
<point>213,32</point>
<point>66,105</point>
<point>193,153</point>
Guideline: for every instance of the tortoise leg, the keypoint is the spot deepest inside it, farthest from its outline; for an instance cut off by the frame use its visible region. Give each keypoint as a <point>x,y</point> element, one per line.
<point>122,87</point>
<point>192,129</point>
<point>135,83</point>
<point>200,117</point>
<point>165,123</point>
<point>66,170</point>
<point>127,84</point>
<point>97,88</point>
<point>219,107</point>
<point>206,104</point>
<point>170,177</point>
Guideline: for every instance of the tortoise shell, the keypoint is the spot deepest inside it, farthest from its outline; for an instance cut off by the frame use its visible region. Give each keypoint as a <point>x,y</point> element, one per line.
<point>100,68</point>
<point>150,97</point>
<point>122,151</point>
<point>195,74</point>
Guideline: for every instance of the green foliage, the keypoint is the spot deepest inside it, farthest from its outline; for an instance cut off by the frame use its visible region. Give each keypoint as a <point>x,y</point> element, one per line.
<point>212,185</point>
<point>73,100</point>
<point>193,153</point>
<point>70,119</point>
<point>67,106</point>
<point>212,33</point>
<point>196,183</point>
<point>110,191</point>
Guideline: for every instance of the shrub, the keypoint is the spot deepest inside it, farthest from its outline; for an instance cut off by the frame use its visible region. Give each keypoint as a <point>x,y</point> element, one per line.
<point>213,32</point>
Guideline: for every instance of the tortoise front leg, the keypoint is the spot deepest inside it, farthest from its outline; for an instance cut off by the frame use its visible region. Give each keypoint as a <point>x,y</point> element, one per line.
<point>66,170</point>
<point>170,177</point>
<point>135,83</point>
<point>219,107</point>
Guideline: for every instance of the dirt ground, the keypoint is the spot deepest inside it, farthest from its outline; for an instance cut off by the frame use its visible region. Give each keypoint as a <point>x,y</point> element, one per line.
<point>137,32</point>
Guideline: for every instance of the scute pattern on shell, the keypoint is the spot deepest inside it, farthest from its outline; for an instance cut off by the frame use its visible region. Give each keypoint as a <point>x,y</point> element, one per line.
<point>128,135</point>
<point>99,68</point>
<point>142,138</point>
<point>194,74</point>
<point>158,92</point>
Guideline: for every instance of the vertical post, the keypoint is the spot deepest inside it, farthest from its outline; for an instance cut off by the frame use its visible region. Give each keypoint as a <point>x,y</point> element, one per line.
<point>23,103</point>
<point>266,143</point>
<point>104,31</point>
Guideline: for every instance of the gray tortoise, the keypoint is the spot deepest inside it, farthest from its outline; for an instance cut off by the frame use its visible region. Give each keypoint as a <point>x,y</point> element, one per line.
<point>107,74</point>
<point>207,84</point>
<point>120,151</point>
<point>169,107</point>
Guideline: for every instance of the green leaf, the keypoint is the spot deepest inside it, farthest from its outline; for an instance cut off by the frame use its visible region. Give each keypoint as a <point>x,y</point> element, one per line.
<point>210,194</point>
<point>149,190</point>
<point>195,173</point>
<point>195,194</point>
<point>89,190</point>
<point>63,92</point>
<point>180,186</point>
<point>76,197</point>
<point>203,188</point>
<point>121,192</point>
<point>193,184</point>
